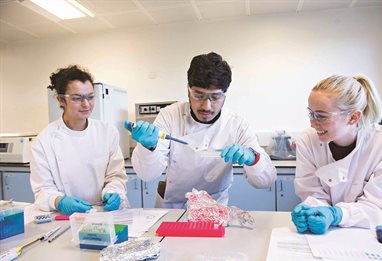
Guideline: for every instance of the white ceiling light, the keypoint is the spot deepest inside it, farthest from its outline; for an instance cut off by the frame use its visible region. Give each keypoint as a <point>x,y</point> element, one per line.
<point>63,9</point>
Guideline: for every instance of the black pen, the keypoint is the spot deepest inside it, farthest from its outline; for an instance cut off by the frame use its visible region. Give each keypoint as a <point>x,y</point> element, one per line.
<point>59,234</point>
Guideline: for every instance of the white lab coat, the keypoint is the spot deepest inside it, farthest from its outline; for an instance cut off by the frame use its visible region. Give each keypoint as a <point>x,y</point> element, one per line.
<point>354,183</point>
<point>186,169</point>
<point>84,164</point>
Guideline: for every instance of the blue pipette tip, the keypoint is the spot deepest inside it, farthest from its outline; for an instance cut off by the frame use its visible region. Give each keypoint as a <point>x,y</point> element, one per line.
<point>175,139</point>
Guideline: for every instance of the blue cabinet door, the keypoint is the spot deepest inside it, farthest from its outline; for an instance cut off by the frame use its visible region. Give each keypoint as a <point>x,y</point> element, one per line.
<point>246,197</point>
<point>134,191</point>
<point>149,191</point>
<point>16,186</point>
<point>286,196</point>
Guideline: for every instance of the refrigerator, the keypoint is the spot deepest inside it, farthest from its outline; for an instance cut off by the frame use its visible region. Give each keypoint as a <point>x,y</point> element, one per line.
<point>110,106</point>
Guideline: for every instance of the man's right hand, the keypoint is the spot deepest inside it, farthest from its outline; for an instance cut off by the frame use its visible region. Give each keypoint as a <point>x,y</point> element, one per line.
<point>68,205</point>
<point>146,134</point>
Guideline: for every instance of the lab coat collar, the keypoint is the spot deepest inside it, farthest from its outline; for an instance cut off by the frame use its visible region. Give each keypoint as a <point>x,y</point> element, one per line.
<point>337,172</point>
<point>63,127</point>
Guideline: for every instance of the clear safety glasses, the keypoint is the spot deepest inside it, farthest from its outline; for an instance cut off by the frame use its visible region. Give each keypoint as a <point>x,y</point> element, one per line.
<point>200,96</point>
<point>322,116</point>
<point>77,98</point>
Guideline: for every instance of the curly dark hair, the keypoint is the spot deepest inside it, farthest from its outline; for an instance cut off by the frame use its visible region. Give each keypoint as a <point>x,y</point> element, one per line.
<point>209,71</point>
<point>62,77</point>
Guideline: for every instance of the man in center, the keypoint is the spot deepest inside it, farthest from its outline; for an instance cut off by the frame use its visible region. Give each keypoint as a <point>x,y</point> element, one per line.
<point>207,127</point>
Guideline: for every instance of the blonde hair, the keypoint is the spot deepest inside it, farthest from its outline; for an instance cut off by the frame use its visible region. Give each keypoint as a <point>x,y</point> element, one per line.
<point>354,93</point>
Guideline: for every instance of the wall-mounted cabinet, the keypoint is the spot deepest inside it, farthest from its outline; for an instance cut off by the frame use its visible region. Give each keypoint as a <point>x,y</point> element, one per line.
<point>244,196</point>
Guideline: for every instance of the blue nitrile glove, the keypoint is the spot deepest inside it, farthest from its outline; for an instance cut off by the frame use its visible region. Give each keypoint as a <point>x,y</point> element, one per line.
<point>321,218</point>
<point>145,133</point>
<point>112,201</point>
<point>238,154</point>
<point>299,217</point>
<point>69,205</point>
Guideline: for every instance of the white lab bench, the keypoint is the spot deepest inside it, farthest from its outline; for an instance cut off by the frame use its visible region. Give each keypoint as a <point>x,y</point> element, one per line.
<point>14,184</point>
<point>251,243</point>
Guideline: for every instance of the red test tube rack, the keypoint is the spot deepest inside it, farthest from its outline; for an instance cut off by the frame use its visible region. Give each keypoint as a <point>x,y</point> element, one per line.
<point>190,229</point>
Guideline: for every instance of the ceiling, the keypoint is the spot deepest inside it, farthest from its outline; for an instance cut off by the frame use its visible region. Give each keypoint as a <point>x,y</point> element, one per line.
<point>20,23</point>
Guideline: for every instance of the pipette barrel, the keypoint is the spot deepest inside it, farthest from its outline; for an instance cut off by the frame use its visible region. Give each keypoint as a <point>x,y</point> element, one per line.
<point>161,134</point>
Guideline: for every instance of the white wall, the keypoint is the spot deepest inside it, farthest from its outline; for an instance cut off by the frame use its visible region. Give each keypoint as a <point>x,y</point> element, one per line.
<point>276,60</point>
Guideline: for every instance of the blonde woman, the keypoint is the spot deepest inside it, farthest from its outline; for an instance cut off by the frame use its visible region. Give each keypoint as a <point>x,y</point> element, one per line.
<point>339,160</point>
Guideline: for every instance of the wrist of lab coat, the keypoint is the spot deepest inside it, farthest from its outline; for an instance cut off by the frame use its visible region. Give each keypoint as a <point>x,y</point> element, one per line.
<point>261,175</point>
<point>52,201</point>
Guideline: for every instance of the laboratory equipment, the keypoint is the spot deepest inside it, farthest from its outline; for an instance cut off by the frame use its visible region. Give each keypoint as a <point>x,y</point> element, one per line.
<point>61,217</point>
<point>97,236</point>
<point>149,111</point>
<point>96,230</point>
<point>110,106</point>
<point>59,234</point>
<point>190,229</point>
<point>49,234</point>
<point>11,220</point>
<point>44,218</point>
<point>280,147</point>
<point>15,148</point>
<point>162,135</point>
<point>13,253</point>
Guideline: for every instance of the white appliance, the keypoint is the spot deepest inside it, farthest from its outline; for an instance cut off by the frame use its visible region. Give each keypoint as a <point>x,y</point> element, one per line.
<point>15,148</point>
<point>110,106</point>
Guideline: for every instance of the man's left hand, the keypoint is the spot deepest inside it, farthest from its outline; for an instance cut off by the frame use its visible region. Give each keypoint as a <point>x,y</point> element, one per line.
<point>238,154</point>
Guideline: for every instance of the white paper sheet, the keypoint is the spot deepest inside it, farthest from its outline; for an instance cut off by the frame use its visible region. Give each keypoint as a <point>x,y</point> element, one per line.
<point>287,245</point>
<point>139,220</point>
<point>347,244</point>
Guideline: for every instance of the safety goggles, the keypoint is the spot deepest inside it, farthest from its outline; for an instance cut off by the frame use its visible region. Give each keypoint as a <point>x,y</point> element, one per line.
<point>200,96</point>
<point>78,98</point>
<point>322,115</point>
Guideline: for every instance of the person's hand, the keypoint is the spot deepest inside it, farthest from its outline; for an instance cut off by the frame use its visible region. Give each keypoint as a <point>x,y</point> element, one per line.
<point>321,218</point>
<point>112,201</point>
<point>238,154</point>
<point>299,217</point>
<point>69,205</point>
<point>145,133</point>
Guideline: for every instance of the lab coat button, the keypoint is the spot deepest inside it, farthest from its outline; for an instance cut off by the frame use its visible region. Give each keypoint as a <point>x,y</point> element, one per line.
<point>330,180</point>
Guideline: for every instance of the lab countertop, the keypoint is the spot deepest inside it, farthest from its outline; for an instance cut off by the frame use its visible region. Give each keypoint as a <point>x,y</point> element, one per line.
<point>255,246</point>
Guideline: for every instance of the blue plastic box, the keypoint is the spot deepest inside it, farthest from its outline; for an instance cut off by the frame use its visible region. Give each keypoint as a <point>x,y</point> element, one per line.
<point>11,222</point>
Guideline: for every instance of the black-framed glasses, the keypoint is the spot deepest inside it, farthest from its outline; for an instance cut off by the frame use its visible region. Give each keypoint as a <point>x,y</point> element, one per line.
<point>200,96</point>
<point>323,115</point>
<point>78,98</point>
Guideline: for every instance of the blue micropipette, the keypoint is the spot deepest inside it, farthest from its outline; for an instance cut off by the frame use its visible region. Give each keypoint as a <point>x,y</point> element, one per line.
<point>162,135</point>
